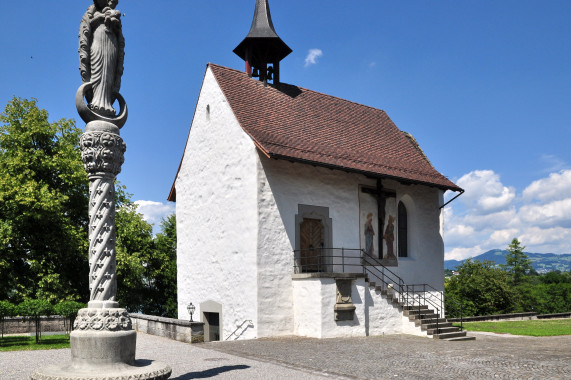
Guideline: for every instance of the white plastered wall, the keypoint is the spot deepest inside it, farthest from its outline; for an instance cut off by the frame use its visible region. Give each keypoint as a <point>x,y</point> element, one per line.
<point>314,302</point>
<point>283,186</point>
<point>217,215</point>
<point>425,261</point>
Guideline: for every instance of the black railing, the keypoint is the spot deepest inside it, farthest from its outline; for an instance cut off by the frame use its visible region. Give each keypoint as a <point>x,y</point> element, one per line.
<point>327,260</point>
<point>344,260</point>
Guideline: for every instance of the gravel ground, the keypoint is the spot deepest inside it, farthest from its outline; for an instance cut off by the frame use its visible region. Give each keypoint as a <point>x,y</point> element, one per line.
<point>389,357</point>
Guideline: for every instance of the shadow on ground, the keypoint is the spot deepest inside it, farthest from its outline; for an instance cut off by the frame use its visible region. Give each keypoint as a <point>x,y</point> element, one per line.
<point>210,372</point>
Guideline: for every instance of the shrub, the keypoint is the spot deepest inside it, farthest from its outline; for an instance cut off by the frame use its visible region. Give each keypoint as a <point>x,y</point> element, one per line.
<point>68,310</point>
<point>35,309</point>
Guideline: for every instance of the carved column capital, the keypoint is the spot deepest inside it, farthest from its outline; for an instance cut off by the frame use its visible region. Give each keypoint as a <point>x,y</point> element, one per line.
<point>102,153</point>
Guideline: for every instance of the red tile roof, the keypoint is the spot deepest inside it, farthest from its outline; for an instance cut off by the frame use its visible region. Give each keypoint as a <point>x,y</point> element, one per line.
<point>299,124</point>
<point>294,123</point>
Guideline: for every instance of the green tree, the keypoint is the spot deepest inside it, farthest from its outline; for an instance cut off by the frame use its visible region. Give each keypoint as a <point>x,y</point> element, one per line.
<point>6,310</point>
<point>481,289</point>
<point>146,266</point>
<point>134,251</point>
<point>517,263</point>
<point>44,196</point>
<point>164,270</point>
<point>68,310</point>
<point>43,206</point>
<point>35,309</point>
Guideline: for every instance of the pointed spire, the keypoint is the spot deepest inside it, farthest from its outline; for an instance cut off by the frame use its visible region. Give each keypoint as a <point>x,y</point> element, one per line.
<point>262,45</point>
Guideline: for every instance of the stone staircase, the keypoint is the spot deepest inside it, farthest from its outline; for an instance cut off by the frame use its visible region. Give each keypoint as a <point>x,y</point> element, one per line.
<point>424,318</point>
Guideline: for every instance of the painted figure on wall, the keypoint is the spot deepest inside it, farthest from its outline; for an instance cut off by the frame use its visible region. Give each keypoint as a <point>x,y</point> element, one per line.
<point>369,235</point>
<point>101,55</point>
<point>390,238</point>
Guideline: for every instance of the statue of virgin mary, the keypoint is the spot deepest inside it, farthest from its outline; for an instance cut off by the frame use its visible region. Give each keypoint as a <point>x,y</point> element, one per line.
<point>101,55</point>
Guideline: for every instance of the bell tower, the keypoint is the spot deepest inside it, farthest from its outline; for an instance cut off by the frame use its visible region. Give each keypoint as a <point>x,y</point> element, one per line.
<point>263,49</point>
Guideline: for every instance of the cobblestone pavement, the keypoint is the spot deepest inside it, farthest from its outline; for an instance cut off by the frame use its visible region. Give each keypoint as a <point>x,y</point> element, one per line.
<point>491,356</point>
<point>187,361</point>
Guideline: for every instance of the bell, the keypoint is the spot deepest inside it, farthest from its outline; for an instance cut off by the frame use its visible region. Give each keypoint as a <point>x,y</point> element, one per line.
<point>256,73</point>
<point>271,73</point>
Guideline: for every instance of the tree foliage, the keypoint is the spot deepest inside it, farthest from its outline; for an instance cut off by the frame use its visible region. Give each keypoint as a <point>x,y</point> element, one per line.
<point>165,273</point>
<point>517,263</point>
<point>44,197</point>
<point>43,206</point>
<point>7,309</point>
<point>35,309</point>
<point>68,310</point>
<point>481,289</point>
<point>146,266</point>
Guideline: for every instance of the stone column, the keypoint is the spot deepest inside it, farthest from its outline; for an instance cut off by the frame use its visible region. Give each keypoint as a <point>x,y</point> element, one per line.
<point>102,152</point>
<point>103,342</point>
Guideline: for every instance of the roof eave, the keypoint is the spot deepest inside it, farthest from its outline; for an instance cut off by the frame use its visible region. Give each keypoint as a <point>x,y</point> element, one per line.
<point>364,172</point>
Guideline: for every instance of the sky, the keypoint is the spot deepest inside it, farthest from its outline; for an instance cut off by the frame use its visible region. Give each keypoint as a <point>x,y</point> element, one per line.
<point>484,86</point>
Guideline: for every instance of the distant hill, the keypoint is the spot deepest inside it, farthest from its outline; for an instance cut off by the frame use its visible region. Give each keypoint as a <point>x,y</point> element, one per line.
<point>541,262</point>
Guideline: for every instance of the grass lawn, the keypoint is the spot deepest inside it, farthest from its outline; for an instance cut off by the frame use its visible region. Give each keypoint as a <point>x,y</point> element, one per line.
<point>551,327</point>
<point>24,343</point>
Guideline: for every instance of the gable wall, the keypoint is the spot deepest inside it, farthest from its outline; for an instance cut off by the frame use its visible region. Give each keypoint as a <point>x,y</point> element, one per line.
<point>216,215</point>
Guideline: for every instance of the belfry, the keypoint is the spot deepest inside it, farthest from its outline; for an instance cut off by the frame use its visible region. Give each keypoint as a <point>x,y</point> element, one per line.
<point>263,49</point>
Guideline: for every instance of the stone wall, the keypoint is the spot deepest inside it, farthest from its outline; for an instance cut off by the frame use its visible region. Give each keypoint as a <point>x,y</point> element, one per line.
<point>20,325</point>
<point>176,329</point>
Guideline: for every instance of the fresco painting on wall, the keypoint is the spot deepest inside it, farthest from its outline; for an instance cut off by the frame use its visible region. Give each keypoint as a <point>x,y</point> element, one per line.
<point>389,232</point>
<point>369,224</point>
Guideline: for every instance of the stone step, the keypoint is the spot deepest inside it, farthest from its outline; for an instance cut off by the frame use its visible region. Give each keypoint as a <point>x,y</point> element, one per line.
<point>422,307</point>
<point>422,316</point>
<point>460,338</point>
<point>433,325</point>
<point>418,322</point>
<point>442,330</point>
<point>418,312</point>
<point>456,334</point>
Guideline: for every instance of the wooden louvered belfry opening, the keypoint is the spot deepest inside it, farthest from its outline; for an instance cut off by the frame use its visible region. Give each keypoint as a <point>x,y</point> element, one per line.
<point>311,244</point>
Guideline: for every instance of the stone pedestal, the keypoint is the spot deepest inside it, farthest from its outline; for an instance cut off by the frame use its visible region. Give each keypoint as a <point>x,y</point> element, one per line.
<point>103,346</point>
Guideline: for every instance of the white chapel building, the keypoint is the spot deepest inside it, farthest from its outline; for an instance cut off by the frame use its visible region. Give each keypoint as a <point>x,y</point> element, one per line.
<point>300,213</point>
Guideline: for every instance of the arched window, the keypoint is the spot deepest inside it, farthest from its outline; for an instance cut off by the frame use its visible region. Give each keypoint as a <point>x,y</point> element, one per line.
<point>402,231</point>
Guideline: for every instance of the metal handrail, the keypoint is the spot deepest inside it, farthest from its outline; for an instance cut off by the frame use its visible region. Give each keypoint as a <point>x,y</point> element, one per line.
<point>239,327</point>
<point>411,295</point>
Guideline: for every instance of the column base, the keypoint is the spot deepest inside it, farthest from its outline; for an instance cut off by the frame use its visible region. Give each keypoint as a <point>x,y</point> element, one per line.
<point>140,370</point>
<point>103,347</point>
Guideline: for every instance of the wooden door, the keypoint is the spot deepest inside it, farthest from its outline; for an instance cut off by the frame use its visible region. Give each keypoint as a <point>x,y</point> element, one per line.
<point>311,245</point>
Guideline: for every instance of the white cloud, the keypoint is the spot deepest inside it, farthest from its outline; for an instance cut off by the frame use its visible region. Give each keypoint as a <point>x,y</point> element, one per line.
<point>555,187</point>
<point>553,163</point>
<point>552,214</point>
<point>312,56</point>
<point>485,192</point>
<point>503,237</point>
<point>154,212</point>
<point>462,253</point>
<point>490,214</point>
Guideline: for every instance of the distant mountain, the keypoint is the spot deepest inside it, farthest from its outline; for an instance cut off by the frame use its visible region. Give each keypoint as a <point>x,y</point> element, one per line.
<point>541,262</point>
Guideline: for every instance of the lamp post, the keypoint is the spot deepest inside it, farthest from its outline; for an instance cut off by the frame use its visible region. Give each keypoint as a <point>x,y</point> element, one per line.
<point>191,308</point>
